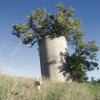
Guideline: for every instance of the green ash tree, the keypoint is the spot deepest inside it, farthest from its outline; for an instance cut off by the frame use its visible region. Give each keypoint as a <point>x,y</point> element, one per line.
<point>41,23</point>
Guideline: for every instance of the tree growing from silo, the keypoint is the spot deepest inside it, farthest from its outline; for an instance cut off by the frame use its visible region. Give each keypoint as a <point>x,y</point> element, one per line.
<point>51,33</point>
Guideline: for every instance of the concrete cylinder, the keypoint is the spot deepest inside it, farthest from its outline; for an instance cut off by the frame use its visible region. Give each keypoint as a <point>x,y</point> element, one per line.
<point>52,53</point>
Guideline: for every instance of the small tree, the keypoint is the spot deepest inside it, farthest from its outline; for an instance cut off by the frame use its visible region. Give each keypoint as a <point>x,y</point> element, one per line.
<point>93,80</point>
<point>98,81</point>
<point>42,24</point>
<point>82,60</point>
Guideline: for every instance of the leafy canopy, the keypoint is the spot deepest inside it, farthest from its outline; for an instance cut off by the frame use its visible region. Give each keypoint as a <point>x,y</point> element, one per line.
<point>82,60</point>
<point>40,24</point>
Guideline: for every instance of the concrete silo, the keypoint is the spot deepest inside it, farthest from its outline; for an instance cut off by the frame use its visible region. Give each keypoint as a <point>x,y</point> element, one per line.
<point>52,60</point>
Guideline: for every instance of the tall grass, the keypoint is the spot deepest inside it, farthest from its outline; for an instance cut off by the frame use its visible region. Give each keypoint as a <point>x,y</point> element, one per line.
<point>12,88</point>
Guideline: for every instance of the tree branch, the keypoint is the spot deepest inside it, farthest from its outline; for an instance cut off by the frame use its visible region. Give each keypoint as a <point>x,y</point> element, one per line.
<point>33,43</point>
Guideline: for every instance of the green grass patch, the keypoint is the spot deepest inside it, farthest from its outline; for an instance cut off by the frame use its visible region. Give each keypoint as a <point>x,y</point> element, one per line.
<point>12,88</point>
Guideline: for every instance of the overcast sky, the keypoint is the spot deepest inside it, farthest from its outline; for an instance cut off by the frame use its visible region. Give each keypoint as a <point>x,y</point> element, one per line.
<point>25,62</point>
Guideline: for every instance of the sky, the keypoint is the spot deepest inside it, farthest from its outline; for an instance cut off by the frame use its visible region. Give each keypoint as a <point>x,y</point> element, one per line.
<point>24,62</point>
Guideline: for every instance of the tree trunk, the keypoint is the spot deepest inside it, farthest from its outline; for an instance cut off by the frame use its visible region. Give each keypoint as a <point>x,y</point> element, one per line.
<point>52,53</point>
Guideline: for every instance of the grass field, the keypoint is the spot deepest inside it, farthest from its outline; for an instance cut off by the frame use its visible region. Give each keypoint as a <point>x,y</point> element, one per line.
<point>13,88</point>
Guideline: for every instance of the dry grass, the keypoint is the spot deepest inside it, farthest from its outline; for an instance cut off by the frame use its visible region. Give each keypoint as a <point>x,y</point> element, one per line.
<point>12,88</point>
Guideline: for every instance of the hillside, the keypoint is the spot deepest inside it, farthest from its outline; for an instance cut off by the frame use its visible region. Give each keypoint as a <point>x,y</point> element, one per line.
<point>13,88</point>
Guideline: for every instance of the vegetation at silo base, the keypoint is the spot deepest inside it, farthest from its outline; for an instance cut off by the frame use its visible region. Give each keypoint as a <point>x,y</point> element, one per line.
<point>13,88</point>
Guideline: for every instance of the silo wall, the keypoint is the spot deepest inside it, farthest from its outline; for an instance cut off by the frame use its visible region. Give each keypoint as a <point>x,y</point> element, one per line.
<point>52,53</point>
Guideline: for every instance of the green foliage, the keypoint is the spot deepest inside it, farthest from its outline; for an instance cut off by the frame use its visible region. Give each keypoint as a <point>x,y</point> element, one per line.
<point>41,23</point>
<point>84,57</point>
<point>92,79</point>
<point>82,60</point>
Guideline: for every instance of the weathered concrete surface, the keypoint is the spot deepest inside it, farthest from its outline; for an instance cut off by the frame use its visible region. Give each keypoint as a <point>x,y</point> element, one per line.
<point>52,58</point>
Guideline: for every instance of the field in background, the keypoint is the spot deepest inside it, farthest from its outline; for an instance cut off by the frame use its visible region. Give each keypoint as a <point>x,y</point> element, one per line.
<point>13,88</point>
